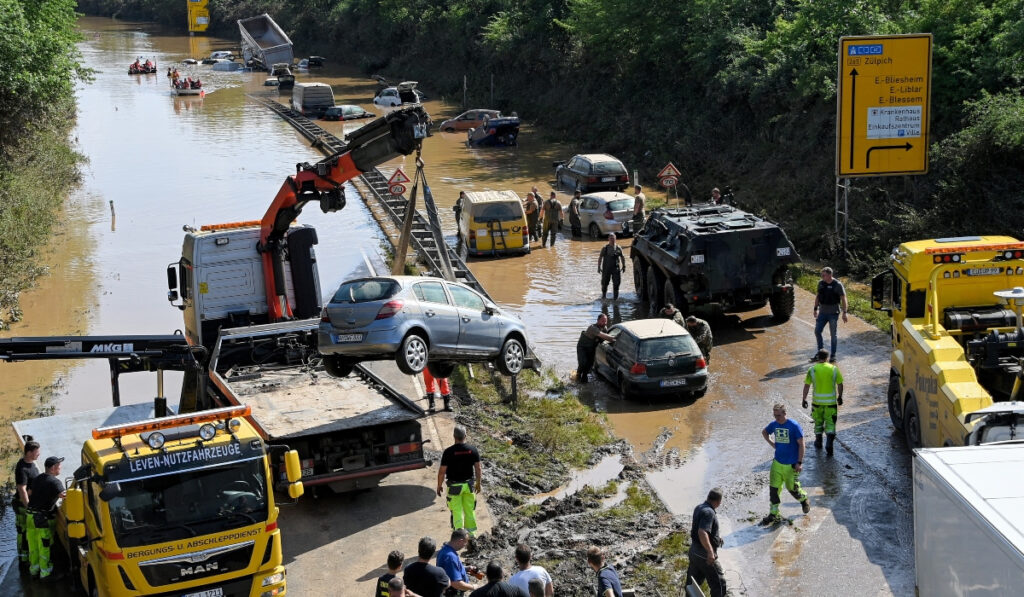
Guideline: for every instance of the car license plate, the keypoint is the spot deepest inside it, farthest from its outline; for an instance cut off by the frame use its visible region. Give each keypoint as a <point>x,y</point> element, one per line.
<point>348,338</point>
<point>983,271</point>
<point>307,472</point>
<point>607,179</point>
<point>671,383</point>
<point>218,592</point>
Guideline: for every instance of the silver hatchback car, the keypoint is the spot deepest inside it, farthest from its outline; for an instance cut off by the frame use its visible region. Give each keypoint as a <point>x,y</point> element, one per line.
<point>420,322</point>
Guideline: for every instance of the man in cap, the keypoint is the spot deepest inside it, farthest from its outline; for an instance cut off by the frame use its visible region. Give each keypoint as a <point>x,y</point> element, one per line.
<point>42,513</point>
<point>701,332</point>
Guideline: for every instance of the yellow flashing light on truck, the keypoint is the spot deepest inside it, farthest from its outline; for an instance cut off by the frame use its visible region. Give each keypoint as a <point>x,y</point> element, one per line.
<point>957,338</point>
<point>180,505</point>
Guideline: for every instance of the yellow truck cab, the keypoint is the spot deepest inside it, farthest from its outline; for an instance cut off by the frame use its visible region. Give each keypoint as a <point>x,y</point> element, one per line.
<point>180,505</point>
<point>493,223</point>
<point>957,339</point>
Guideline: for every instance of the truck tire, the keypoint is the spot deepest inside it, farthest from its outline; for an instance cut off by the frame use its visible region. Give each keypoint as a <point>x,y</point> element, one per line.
<point>442,369</point>
<point>893,398</point>
<point>674,296</point>
<point>639,281</point>
<point>655,290</point>
<point>411,357</point>
<point>782,304</point>
<point>912,425</point>
<point>337,366</point>
<point>512,357</point>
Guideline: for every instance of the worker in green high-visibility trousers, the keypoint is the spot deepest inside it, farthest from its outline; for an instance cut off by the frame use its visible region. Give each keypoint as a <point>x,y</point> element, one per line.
<point>41,517</point>
<point>25,471</point>
<point>461,472</point>
<point>828,397</point>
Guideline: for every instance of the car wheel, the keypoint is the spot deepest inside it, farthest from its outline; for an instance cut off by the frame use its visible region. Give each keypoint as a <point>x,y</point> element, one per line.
<point>337,366</point>
<point>442,369</point>
<point>412,355</point>
<point>655,290</point>
<point>595,232</point>
<point>912,425</point>
<point>639,279</point>
<point>624,388</point>
<point>893,396</point>
<point>512,357</point>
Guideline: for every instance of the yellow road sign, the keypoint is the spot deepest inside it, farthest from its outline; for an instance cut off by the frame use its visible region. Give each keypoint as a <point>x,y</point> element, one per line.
<point>883,105</point>
<point>198,15</point>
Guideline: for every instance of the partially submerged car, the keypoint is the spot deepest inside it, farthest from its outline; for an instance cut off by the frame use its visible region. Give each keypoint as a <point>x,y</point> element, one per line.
<point>652,357</point>
<point>604,213</point>
<point>468,120</point>
<point>346,112</point>
<point>401,94</point>
<point>502,131</point>
<point>419,322</point>
<point>591,172</point>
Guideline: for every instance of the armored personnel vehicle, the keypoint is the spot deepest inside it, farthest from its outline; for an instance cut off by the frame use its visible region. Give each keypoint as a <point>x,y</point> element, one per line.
<point>713,254</point>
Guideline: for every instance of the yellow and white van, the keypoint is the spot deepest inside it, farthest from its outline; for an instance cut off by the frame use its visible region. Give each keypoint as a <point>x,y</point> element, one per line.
<point>493,223</point>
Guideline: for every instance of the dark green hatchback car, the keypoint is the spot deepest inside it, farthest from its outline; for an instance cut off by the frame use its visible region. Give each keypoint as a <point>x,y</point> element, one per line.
<point>653,357</point>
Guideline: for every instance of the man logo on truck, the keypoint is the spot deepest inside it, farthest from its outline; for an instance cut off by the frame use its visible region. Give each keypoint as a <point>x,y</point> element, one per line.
<point>199,568</point>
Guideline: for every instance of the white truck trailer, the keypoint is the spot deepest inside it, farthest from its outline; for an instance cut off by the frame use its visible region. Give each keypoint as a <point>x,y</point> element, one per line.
<point>969,521</point>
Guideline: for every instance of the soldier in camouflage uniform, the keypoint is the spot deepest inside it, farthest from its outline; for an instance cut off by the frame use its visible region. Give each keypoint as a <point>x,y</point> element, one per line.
<point>701,332</point>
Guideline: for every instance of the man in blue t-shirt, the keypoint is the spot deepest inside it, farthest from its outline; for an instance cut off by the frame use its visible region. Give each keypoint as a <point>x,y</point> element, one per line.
<point>786,437</point>
<point>449,561</point>
<point>608,584</point>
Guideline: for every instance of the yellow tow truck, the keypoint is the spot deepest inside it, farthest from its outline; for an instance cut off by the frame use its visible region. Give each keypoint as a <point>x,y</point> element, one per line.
<point>160,504</point>
<point>957,339</point>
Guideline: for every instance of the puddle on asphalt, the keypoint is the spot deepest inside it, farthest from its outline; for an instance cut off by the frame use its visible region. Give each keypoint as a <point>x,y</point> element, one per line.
<point>596,476</point>
<point>682,488</point>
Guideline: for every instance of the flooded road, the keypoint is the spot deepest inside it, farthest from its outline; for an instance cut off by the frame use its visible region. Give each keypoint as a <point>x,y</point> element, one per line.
<point>162,162</point>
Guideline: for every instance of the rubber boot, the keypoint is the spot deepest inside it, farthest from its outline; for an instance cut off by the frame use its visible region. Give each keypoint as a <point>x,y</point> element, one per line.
<point>828,444</point>
<point>817,441</point>
<point>430,402</point>
<point>447,398</point>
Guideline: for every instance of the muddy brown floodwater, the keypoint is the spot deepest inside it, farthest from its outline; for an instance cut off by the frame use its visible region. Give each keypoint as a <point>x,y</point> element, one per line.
<point>163,162</point>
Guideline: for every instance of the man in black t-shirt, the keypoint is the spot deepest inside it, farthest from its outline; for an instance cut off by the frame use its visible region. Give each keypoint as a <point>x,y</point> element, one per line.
<point>704,544</point>
<point>496,587</point>
<point>25,471</point>
<point>423,578</point>
<point>829,303</point>
<point>42,510</point>
<point>460,465</point>
<point>610,264</point>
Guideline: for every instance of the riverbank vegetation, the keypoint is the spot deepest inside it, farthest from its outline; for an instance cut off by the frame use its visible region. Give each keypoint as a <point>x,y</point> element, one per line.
<point>737,93</point>
<point>37,163</point>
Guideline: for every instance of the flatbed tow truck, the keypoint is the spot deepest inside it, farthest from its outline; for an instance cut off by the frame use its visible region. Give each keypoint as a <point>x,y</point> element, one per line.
<point>957,361</point>
<point>159,504</point>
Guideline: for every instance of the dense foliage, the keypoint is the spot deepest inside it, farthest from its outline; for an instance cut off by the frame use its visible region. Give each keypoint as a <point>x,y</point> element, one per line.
<point>37,107</point>
<point>735,92</point>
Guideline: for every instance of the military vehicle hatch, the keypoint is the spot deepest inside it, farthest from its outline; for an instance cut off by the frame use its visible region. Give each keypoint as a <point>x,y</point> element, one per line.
<point>714,255</point>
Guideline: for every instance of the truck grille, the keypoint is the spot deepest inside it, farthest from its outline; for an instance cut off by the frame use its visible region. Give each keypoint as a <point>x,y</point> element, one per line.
<point>198,564</point>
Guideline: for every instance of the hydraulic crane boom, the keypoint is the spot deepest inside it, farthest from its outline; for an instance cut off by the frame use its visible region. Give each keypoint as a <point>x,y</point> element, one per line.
<point>400,132</point>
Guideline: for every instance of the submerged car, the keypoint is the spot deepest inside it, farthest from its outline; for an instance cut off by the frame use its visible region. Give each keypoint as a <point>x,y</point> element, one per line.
<point>419,322</point>
<point>346,113</point>
<point>403,93</point>
<point>652,357</point>
<point>468,120</point>
<point>591,172</point>
<point>604,213</point>
<point>502,131</point>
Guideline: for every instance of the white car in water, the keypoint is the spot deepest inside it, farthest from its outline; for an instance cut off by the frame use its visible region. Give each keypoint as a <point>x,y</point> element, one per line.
<point>403,93</point>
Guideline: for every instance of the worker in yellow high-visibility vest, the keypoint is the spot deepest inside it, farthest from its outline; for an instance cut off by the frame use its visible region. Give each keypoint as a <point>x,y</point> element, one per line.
<point>827,382</point>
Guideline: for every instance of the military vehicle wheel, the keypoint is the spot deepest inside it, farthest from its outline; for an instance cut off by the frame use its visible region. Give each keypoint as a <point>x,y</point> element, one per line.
<point>672,295</point>
<point>639,281</point>
<point>912,425</point>
<point>894,403</point>
<point>595,232</point>
<point>442,369</point>
<point>655,289</point>
<point>337,366</point>
<point>512,357</point>
<point>412,355</point>
<point>782,304</point>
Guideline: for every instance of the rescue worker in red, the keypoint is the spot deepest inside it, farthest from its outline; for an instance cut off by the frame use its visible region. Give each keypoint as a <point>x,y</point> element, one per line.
<point>461,471</point>
<point>432,384</point>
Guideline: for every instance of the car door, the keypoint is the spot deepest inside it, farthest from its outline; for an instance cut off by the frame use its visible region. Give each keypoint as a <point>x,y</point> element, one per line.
<point>468,120</point>
<point>587,210</point>
<point>479,331</point>
<point>621,355</point>
<point>440,316</point>
<point>565,176</point>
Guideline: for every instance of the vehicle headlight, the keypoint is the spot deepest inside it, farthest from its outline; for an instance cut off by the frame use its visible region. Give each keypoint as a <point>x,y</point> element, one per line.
<point>273,579</point>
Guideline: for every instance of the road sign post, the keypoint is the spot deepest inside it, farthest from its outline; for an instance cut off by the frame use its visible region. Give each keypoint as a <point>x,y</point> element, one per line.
<point>668,177</point>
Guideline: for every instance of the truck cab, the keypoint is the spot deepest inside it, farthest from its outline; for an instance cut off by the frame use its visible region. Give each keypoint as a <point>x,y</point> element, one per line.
<point>957,342</point>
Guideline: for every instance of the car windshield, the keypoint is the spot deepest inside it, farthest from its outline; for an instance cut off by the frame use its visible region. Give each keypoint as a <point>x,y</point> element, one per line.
<point>364,291</point>
<point>182,505</point>
<point>501,212</point>
<point>608,168</point>
<point>620,204</point>
<point>662,348</point>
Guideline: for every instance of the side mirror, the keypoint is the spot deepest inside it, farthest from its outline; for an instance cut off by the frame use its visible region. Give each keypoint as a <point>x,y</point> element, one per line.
<point>292,466</point>
<point>172,277</point>
<point>490,308</point>
<point>76,530</point>
<point>82,473</point>
<point>74,504</point>
<point>882,291</point>
<point>110,491</point>
<point>295,490</point>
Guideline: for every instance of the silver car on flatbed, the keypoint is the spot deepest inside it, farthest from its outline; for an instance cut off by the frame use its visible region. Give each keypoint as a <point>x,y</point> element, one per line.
<point>420,322</point>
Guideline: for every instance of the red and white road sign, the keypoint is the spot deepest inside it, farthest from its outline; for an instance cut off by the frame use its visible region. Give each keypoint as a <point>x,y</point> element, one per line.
<point>398,177</point>
<point>669,171</point>
<point>668,181</point>
<point>396,189</point>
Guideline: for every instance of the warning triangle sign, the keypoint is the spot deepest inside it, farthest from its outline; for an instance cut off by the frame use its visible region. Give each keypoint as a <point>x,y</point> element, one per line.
<point>669,170</point>
<point>398,177</point>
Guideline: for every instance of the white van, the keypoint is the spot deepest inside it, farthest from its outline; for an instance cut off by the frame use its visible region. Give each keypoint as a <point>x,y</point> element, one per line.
<point>312,99</point>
